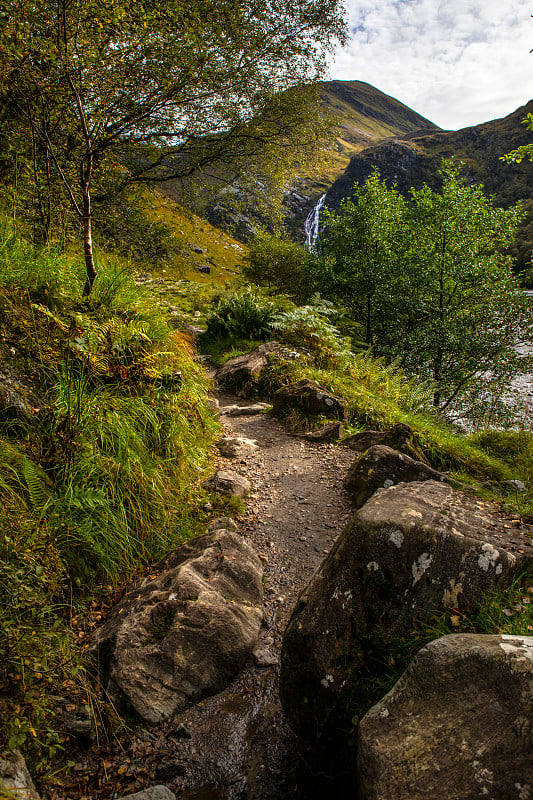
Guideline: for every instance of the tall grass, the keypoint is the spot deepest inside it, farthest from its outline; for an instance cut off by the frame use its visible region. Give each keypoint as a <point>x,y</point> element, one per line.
<point>100,482</point>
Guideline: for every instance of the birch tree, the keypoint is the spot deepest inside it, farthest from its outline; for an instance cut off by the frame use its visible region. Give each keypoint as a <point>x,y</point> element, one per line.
<point>114,91</point>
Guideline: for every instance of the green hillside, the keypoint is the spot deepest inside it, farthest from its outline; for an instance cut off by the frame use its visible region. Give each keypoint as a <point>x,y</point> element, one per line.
<point>416,160</point>
<point>360,116</point>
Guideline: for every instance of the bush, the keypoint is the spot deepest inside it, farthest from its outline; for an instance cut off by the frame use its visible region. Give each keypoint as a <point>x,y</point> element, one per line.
<point>245,314</point>
<point>309,327</point>
<point>276,262</point>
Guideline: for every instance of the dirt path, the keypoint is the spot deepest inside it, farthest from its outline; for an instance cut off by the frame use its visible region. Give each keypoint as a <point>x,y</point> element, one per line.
<point>241,746</point>
<point>237,745</point>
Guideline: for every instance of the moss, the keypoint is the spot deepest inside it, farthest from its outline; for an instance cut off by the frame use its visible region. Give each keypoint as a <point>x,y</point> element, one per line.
<point>163,624</point>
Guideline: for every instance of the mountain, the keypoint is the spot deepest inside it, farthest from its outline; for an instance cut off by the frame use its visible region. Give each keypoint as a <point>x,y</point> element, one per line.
<point>415,159</point>
<point>363,117</point>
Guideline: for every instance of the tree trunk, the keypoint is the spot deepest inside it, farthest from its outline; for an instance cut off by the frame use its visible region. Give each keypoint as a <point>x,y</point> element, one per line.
<point>88,243</point>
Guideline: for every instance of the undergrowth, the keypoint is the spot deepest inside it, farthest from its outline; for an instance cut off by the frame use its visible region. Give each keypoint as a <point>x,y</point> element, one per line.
<point>514,448</point>
<point>379,661</point>
<point>104,435</point>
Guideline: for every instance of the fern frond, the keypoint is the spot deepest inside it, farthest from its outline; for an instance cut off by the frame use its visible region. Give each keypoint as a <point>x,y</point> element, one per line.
<point>33,479</point>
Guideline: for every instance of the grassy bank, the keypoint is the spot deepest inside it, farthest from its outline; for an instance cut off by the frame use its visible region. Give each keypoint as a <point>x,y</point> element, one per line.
<point>104,436</point>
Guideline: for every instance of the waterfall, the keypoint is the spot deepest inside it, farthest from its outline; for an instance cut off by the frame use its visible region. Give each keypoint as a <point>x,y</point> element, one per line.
<point>311,224</point>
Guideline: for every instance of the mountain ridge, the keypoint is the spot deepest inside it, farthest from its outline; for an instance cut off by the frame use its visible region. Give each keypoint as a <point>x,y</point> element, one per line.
<point>413,161</point>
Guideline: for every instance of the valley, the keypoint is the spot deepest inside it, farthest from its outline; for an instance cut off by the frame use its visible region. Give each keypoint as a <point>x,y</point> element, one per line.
<point>266,398</point>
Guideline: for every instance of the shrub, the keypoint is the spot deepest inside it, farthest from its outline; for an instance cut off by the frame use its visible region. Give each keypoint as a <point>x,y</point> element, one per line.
<point>276,262</point>
<point>245,314</point>
<point>309,327</point>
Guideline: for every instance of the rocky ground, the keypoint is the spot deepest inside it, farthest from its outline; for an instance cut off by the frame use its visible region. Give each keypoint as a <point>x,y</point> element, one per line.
<point>237,745</point>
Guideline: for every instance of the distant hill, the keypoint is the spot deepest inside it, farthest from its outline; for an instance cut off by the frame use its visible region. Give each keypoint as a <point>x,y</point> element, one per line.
<point>363,116</point>
<point>415,160</point>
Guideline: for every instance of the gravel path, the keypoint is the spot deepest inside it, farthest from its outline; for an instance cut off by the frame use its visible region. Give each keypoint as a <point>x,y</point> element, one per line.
<point>237,745</point>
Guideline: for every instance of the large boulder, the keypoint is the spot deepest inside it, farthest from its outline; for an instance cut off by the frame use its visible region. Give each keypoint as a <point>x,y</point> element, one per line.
<point>184,634</point>
<point>458,724</point>
<point>382,466</point>
<point>242,374</point>
<point>413,549</point>
<point>310,399</point>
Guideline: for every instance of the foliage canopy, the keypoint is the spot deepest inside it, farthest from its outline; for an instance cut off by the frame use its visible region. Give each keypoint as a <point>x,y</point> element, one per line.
<point>429,278</point>
<point>102,94</point>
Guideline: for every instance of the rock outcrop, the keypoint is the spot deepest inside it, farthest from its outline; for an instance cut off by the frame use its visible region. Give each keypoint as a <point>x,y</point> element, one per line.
<point>309,399</point>
<point>19,395</point>
<point>411,550</point>
<point>331,432</point>
<point>458,724</point>
<point>241,375</point>
<point>381,466</point>
<point>184,634</point>
<point>400,437</point>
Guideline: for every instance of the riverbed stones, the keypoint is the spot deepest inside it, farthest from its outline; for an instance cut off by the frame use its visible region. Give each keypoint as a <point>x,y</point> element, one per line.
<point>184,634</point>
<point>309,399</point>
<point>409,551</point>
<point>237,447</point>
<point>382,466</point>
<point>228,483</point>
<point>458,724</point>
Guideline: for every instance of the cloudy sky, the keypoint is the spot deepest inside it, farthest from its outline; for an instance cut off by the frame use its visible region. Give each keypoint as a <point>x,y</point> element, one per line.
<point>456,62</point>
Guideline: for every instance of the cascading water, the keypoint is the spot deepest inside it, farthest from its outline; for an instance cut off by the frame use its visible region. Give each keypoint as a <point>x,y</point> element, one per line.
<point>311,224</point>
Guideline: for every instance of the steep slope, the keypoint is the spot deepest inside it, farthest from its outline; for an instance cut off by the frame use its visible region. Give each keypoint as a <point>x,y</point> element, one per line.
<point>414,160</point>
<point>365,115</point>
<point>362,116</point>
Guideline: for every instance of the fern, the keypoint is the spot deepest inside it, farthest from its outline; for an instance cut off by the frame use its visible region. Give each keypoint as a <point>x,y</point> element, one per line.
<point>33,478</point>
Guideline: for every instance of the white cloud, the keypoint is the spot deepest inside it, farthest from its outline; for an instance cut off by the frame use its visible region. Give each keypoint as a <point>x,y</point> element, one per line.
<point>457,62</point>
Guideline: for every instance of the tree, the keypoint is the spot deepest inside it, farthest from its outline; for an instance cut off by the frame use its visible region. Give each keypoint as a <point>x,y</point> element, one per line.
<point>115,91</point>
<point>359,248</point>
<point>277,262</point>
<point>449,306</point>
